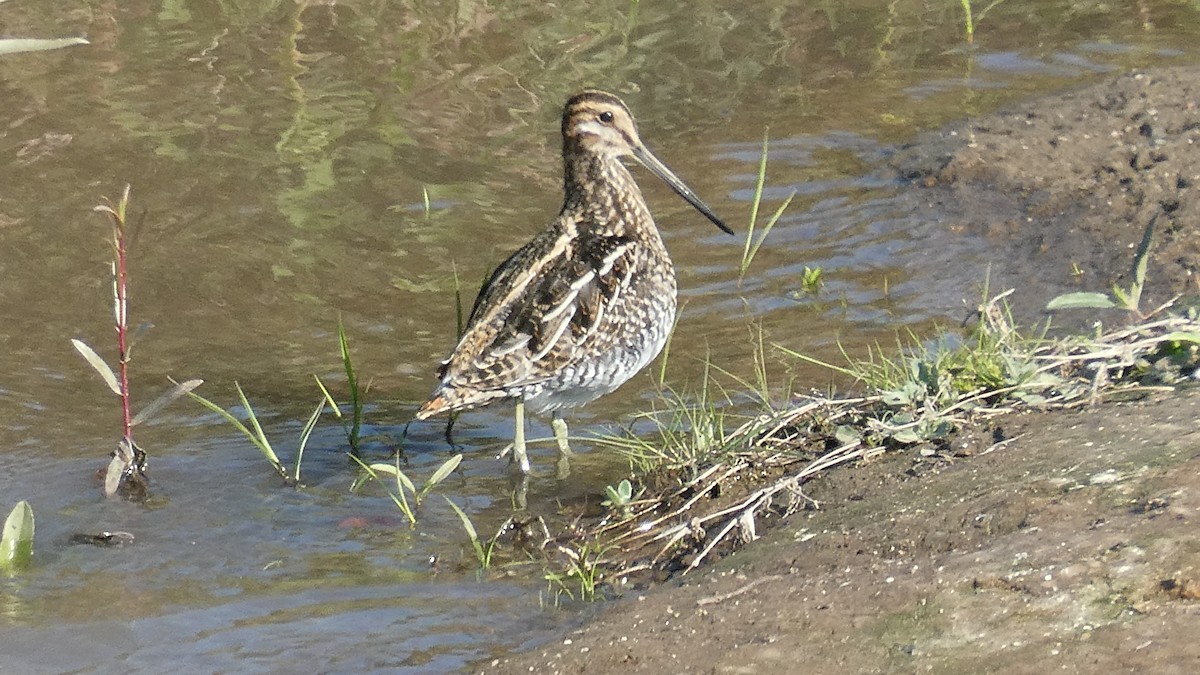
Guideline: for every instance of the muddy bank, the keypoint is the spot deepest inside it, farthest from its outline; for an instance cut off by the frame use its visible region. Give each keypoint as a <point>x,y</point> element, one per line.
<point>1073,548</point>
<point>1072,545</point>
<point>1069,183</point>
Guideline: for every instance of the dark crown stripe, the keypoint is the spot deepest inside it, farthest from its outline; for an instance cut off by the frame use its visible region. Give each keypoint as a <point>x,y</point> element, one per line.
<point>594,96</point>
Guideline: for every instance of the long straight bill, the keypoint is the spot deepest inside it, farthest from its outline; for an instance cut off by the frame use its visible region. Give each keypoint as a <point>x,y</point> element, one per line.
<point>648,160</point>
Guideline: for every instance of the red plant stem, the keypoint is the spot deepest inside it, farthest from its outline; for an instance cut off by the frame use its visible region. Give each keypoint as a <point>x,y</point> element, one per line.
<point>122,330</point>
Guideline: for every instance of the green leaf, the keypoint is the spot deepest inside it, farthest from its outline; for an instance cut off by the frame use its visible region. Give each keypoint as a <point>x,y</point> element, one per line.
<point>403,480</point>
<point>106,373</point>
<point>1126,300</point>
<point>337,411</point>
<point>1182,336</point>
<point>480,554</point>
<point>614,497</point>
<point>467,525</point>
<point>444,470</point>
<point>259,434</point>
<point>392,470</point>
<point>16,540</point>
<point>356,403</point>
<point>1081,301</point>
<point>398,499</point>
<point>20,45</point>
<point>113,474</point>
<point>847,434</point>
<point>625,490</point>
<point>163,401</point>
<point>1141,259</point>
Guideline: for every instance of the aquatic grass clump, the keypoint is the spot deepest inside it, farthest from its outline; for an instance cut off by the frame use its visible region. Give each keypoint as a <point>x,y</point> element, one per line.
<point>352,426</point>
<point>405,488</point>
<point>752,245</point>
<point>259,438</point>
<point>580,576</point>
<point>686,431</point>
<point>691,428</point>
<point>126,472</point>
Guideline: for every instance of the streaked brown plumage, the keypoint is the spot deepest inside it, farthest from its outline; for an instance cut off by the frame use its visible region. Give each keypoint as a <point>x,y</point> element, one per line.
<point>589,301</point>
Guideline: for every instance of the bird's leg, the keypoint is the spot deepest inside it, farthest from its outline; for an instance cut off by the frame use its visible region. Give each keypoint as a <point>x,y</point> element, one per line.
<point>520,456</point>
<point>520,493</point>
<point>559,425</point>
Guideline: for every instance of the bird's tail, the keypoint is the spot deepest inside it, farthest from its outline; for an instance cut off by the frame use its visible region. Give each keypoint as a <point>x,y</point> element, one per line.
<point>435,405</point>
<point>449,399</point>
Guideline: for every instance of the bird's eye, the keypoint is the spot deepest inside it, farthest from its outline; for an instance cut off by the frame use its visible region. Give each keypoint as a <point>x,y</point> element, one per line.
<point>606,117</point>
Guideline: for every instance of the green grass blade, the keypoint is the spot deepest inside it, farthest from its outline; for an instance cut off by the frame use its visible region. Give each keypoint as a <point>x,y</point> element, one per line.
<point>459,318</point>
<point>1140,261</point>
<point>444,470</point>
<point>352,383</point>
<point>403,481</point>
<point>754,205</point>
<point>258,430</point>
<point>816,362</point>
<point>665,355</point>
<point>337,410</point>
<point>480,554</point>
<point>305,433</point>
<point>467,525</point>
<point>767,228</point>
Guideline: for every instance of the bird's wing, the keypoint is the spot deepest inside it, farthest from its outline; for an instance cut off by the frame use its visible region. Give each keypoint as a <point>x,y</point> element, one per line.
<point>540,307</point>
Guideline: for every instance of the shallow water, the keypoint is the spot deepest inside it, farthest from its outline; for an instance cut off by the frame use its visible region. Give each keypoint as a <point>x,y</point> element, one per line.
<point>280,152</point>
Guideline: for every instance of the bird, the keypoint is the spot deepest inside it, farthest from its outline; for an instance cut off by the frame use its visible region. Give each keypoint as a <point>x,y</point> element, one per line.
<point>588,302</point>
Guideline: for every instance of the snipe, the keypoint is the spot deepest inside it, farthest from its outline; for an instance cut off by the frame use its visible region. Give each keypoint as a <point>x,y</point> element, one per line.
<point>588,302</point>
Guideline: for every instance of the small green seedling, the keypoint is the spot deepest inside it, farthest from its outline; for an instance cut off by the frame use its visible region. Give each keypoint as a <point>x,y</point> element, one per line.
<point>811,280</point>
<point>621,496</point>
<point>483,552</point>
<point>1128,299</point>
<point>404,485</point>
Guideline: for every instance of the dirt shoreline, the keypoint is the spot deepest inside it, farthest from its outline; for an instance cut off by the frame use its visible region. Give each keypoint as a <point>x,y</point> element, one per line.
<point>1071,547</point>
